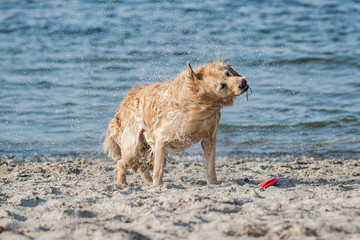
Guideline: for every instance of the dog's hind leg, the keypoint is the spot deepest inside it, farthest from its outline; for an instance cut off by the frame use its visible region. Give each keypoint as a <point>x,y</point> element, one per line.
<point>146,158</point>
<point>121,172</point>
<point>110,145</point>
<point>114,151</point>
<point>144,171</point>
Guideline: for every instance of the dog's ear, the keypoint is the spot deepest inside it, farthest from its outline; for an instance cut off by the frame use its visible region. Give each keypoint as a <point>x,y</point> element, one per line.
<point>192,74</point>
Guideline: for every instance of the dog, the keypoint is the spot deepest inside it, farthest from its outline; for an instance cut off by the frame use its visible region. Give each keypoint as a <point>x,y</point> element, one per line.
<point>173,115</point>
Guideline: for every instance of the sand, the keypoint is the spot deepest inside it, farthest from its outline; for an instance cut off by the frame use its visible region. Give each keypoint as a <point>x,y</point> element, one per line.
<point>78,199</point>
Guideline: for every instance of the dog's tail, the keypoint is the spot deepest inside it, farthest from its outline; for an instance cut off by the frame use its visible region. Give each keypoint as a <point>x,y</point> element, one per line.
<point>109,145</point>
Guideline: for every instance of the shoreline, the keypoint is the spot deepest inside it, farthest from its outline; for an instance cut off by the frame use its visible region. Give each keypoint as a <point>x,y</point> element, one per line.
<point>253,157</point>
<point>314,199</point>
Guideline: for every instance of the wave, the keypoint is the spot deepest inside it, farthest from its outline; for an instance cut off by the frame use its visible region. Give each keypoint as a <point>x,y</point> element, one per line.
<point>310,125</point>
<point>336,60</point>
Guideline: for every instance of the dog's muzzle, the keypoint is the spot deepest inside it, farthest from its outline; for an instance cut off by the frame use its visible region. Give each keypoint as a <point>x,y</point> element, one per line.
<point>243,86</point>
<point>245,89</point>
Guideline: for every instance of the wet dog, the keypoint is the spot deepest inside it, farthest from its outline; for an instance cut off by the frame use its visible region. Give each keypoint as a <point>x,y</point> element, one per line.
<point>172,115</point>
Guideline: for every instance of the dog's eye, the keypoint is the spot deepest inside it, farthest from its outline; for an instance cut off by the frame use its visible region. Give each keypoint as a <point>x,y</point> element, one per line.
<point>222,86</point>
<point>228,74</point>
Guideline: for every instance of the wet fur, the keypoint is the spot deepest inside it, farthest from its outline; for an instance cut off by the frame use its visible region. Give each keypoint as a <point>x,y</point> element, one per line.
<point>171,115</point>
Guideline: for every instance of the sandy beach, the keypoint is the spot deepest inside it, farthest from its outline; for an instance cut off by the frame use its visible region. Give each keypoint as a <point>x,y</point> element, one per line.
<point>78,199</point>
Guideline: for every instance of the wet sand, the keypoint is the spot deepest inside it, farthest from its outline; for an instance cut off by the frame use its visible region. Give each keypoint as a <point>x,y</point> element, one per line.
<point>78,199</point>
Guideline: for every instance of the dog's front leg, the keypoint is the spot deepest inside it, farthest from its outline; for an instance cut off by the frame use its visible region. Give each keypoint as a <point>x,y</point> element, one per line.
<point>159,163</point>
<point>209,147</point>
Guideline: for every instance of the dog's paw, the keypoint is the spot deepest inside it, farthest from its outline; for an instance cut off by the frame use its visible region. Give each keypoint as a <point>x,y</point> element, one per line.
<point>212,182</point>
<point>121,182</point>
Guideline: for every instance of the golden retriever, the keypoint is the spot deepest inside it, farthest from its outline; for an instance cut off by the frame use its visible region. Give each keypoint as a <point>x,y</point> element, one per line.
<point>172,115</point>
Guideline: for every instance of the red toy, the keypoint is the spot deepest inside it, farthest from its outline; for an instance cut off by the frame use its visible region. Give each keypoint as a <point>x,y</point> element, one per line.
<point>268,183</point>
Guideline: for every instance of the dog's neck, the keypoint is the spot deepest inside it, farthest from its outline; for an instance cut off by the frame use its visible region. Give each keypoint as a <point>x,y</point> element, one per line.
<point>191,100</point>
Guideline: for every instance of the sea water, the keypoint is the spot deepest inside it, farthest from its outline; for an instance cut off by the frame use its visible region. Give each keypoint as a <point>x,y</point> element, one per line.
<point>65,66</point>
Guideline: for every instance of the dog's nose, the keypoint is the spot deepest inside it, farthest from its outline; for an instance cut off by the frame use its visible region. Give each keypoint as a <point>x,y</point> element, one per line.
<point>243,83</point>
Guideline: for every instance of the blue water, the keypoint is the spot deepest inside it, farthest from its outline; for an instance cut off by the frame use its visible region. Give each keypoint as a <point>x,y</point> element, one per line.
<point>66,65</point>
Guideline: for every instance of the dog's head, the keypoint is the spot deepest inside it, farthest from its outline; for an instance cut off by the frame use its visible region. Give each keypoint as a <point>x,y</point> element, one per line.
<point>217,82</point>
